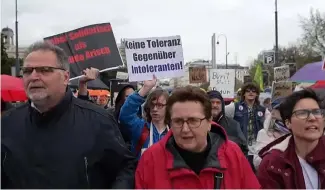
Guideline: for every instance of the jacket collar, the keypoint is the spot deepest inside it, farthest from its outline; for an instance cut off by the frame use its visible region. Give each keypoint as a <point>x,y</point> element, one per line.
<point>216,139</point>
<point>286,145</point>
<point>56,110</point>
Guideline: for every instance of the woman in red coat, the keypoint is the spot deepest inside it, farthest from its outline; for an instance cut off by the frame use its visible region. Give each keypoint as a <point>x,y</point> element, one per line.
<point>189,156</point>
<point>297,160</point>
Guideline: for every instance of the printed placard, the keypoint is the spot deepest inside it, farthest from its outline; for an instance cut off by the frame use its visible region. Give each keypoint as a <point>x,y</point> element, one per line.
<point>281,73</point>
<point>162,57</point>
<point>197,75</point>
<point>223,80</point>
<point>89,46</point>
<point>281,89</point>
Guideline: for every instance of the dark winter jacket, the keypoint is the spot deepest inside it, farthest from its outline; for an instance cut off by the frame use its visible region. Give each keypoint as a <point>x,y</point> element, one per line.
<point>231,126</point>
<point>74,145</point>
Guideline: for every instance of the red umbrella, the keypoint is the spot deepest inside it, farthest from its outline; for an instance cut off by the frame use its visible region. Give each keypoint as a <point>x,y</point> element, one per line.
<point>12,89</point>
<point>319,84</point>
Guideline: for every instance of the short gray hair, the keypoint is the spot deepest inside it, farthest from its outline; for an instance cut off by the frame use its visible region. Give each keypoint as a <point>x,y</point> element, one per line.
<point>48,46</point>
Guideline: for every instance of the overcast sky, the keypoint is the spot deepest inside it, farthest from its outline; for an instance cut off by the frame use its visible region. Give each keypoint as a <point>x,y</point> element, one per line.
<point>248,24</point>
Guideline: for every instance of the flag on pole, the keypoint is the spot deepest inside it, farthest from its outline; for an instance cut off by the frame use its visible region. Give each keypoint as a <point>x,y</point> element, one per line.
<point>258,77</point>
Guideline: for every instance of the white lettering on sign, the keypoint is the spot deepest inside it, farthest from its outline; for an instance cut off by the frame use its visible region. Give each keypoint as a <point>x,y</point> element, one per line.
<point>223,80</point>
<point>281,73</point>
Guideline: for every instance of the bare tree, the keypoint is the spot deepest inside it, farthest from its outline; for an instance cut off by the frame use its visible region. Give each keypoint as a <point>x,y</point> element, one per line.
<point>314,31</point>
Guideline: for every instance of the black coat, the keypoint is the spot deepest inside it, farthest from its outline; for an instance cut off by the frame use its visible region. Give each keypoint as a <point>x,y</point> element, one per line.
<point>234,132</point>
<point>75,145</point>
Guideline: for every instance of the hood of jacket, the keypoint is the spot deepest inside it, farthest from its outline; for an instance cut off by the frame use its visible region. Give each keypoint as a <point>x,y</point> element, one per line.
<point>216,94</point>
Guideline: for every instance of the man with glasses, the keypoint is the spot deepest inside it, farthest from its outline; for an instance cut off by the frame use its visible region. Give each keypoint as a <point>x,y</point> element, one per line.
<point>296,160</point>
<point>251,116</point>
<point>191,157</point>
<point>56,140</point>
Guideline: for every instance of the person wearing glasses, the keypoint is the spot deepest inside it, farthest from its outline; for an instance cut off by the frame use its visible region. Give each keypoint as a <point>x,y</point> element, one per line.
<point>296,160</point>
<point>251,116</point>
<point>57,141</point>
<point>148,131</point>
<point>190,156</point>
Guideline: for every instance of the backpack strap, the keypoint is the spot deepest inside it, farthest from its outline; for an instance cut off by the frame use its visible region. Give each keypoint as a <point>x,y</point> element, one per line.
<point>143,137</point>
<point>217,180</point>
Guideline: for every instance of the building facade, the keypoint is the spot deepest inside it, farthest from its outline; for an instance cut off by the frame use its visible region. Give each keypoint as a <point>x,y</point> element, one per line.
<point>8,41</point>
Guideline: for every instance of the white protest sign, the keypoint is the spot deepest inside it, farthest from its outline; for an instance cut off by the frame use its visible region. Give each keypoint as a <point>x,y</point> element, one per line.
<point>223,80</point>
<point>122,75</point>
<point>281,73</point>
<point>162,57</point>
<point>281,89</point>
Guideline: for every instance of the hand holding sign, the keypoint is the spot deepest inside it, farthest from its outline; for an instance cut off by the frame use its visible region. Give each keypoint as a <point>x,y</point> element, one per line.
<point>89,74</point>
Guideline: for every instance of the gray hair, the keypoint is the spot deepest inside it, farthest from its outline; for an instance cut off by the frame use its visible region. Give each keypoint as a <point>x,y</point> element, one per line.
<point>48,46</point>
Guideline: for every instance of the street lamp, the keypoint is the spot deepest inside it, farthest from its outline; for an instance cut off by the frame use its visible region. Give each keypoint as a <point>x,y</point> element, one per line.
<point>227,53</point>
<point>16,28</point>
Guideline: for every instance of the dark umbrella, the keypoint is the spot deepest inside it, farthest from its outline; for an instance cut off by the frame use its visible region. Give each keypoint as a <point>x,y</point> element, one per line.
<point>94,84</point>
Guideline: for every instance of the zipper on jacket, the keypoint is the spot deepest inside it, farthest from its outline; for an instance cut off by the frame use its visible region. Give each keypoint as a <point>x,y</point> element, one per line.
<point>86,168</point>
<point>4,159</point>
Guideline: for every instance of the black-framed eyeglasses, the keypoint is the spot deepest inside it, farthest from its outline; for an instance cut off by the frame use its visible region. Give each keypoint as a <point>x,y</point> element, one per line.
<point>192,122</point>
<point>304,113</point>
<point>41,70</point>
<point>157,105</point>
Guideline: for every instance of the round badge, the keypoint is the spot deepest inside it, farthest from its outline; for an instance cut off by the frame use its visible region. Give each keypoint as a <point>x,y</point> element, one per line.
<point>260,113</point>
<point>241,108</point>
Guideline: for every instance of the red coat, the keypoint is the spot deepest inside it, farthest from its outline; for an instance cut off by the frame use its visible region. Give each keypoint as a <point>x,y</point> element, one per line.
<point>281,169</point>
<point>161,167</point>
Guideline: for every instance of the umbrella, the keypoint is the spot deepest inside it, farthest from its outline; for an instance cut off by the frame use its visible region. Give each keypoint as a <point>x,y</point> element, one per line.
<point>12,89</point>
<point>319,84</point>
<point>93,84</point>
<point>310,72</point>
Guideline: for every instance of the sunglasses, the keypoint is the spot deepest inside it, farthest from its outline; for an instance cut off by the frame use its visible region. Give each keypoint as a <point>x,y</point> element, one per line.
<point>250,90</point>
<point>41,70</point>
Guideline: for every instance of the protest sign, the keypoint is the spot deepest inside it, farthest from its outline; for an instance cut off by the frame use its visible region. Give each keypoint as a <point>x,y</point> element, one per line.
<point>162,57</point>
<point>122,75</point>
<point>281,73</point>
<point>89,46</point>
<point>197,75</point>
<point>281,89</point>
<point>223,80</point>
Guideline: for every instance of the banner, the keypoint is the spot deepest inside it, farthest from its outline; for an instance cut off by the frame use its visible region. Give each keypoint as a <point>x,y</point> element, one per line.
<point>223,80</point>
<point>281,73</point>
<point>281,89</point>
<point>197,75</point>
<point>162,57</point>
<point>117,85</point>
<point>89,46</point>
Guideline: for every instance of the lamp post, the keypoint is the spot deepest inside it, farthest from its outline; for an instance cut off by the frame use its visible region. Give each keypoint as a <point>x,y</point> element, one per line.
<point>16,31</point>
<point>227,53</point>
<point>276,34</point>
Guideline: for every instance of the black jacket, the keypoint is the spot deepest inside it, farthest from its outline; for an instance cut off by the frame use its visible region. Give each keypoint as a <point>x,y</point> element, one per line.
<point>74,145</point>
<point>231,126</point>
<point>234,132</point>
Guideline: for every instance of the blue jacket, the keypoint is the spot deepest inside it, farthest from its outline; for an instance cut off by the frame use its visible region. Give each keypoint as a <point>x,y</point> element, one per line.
<point>134,124</point>
<point>241,116</point>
